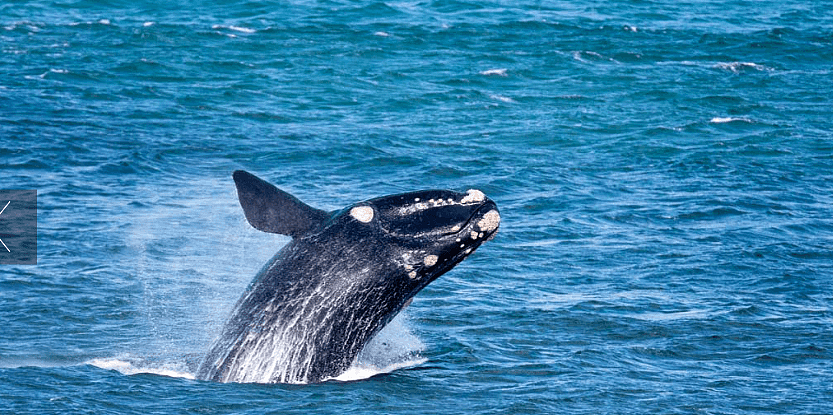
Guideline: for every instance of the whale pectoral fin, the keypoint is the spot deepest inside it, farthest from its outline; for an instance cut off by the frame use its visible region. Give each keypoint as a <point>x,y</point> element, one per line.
<point>270,209</point>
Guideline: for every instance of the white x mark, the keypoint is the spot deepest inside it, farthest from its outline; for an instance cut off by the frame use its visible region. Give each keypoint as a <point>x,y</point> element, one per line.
<point>1,212</point>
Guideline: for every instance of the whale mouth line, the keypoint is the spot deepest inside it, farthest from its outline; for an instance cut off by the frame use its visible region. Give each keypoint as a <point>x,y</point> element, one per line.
<point>445,230</point>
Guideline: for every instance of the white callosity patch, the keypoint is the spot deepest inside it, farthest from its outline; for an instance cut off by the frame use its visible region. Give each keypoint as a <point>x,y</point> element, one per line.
<point>407,264</point>
<point>490,221</point>
<point>473,196</point>
<point>362,214</point>
<point>430,260</point>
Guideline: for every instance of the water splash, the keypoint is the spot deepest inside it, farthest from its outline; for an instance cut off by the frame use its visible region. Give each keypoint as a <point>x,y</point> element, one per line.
<point>129,366</point>
<point>394,347</point>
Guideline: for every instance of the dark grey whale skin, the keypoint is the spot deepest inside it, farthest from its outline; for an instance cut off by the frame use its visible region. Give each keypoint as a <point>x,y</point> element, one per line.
<point>343,276</point>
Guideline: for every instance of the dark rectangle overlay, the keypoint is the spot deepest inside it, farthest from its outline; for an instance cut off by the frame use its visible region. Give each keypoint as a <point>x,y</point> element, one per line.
<point>19,227</point>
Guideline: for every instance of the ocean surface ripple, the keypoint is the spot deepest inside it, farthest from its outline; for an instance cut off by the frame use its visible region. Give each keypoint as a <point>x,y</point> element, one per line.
<point>664,172</point>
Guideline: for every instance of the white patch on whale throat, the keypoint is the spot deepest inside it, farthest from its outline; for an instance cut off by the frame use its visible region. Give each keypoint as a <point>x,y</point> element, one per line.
<point>430,260</point>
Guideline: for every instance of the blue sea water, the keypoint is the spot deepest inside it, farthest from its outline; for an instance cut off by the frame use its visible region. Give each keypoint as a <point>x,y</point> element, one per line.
<point>664,171</point>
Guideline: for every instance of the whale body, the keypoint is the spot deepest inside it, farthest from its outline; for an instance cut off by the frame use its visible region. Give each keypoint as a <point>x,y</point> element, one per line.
<point>341,279</point>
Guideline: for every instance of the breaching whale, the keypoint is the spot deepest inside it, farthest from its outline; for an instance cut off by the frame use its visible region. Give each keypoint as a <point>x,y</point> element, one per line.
<point>342,277</point>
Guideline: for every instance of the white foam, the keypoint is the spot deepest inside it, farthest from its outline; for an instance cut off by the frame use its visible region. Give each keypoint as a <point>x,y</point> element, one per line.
<point>723,120</point>
<point>129,368</point>
<point>736,67</point>
<point>234,28</point>
<point>502,98</point>
<point>497,72</point>
<point>242,29</point>
<point>360,371</point>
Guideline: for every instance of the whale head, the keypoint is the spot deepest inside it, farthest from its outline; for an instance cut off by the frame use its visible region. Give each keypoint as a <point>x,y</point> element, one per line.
<point>427,232</point>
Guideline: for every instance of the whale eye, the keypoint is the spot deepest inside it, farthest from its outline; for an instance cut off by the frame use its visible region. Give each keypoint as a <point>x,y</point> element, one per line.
<point>362,214</point>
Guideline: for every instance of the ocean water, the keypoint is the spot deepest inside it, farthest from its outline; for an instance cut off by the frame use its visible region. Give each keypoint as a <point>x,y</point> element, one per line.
<point>664,171</point>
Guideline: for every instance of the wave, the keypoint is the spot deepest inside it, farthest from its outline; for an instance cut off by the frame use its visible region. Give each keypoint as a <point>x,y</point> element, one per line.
<point>738,67</point>
<point>361,372</point>
<point>128,367</point>
<point>234,28</point>
<point>494,72</point>
<point>723,120</point>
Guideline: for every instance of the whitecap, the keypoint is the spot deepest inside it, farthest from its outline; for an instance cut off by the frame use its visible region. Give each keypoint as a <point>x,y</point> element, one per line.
<point>60,71</point>
<point>736,67</point>
<point>148,24</point>
<point>723,120</point>
<point>497,72</point>
<point>381,34</point>
<point>234,28</point>
<point>502,98</point>
<point>242,29</point>
<point>588,56</point>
